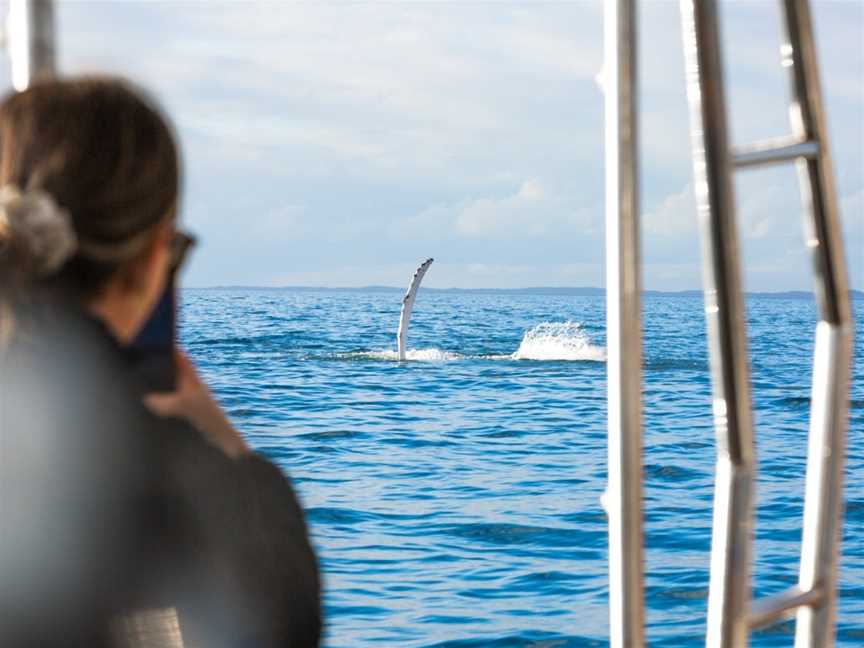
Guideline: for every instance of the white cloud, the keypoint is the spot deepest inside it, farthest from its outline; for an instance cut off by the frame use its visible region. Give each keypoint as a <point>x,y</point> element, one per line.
<point>386,92</point>
<point>770,210</point>
<point>675,216</point>
<point>762,210</point>
<point>486,113</point>
<point>525,213</point>
<point>533,211</point>
<point>286,223</point>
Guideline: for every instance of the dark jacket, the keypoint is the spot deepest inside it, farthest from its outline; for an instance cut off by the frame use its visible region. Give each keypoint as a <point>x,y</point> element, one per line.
<point>106,510</point>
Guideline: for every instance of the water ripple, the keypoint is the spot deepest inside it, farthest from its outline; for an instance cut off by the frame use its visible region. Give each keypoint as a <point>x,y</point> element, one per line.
<point>454,498</point>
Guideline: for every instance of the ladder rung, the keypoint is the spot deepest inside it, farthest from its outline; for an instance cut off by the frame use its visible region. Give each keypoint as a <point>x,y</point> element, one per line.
<point>781,149</point>
<point>775,607</point>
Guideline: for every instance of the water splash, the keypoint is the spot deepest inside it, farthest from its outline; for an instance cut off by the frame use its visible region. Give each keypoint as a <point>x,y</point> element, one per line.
<point>425,355</point>
<point>546,341</point>
<point>558,341</point>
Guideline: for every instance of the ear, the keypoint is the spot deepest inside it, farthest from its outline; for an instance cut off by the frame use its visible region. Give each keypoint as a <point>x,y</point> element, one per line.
<point>156,257</point>
<point>145,275</point>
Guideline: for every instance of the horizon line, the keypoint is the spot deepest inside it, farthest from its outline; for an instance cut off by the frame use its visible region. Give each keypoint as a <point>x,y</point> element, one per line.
<point>562,289</point>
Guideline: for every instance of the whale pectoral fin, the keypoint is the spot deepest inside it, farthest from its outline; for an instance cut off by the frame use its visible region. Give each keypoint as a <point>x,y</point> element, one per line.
<point>407,306</point>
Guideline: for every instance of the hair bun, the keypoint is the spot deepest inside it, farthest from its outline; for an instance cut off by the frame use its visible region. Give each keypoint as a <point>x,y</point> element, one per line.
<point>39,226</point>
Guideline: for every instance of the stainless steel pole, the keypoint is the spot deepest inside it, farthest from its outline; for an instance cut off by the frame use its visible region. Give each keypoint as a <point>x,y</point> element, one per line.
<point>30,40</point>
<point>729,592</point>
<point>833,348</point>
<point>623,329</point>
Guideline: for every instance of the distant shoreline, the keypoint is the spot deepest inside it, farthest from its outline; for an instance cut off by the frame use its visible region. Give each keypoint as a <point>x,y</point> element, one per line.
<point>578,292</point>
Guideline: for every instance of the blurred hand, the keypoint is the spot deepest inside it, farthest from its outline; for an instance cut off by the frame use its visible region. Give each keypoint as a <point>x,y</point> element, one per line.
<point>194,402</point>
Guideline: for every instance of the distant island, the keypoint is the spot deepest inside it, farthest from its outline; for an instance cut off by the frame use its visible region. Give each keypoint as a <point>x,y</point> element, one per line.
<point>574,291</point>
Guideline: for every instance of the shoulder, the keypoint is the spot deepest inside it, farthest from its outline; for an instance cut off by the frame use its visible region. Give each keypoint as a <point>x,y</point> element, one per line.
<point>242,488</point>
<point>245,519</point>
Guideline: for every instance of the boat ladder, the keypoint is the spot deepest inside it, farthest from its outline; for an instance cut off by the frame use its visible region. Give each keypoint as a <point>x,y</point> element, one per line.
<point>731,612</point>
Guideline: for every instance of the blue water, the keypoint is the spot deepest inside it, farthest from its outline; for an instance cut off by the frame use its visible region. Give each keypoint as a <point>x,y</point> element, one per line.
<point>454,499</point>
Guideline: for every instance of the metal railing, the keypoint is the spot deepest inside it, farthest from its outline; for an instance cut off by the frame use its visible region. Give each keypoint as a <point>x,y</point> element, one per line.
<point>30,41</point>
<point>623,498</point>
<point>729,591</point>
<point>731,614</point>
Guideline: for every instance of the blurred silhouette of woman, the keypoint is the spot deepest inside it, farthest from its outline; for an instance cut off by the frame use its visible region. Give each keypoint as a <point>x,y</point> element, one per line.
<point>113,501</point>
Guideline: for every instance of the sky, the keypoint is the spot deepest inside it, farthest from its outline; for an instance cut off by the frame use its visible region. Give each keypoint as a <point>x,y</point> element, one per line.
<point>340,144</point>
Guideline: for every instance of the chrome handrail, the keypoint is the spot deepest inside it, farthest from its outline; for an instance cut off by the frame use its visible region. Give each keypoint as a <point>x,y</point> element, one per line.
<point>832,364</point>
<point>731,614</point>
<point>30,40</point>
<point>623,498</point>
<point>729,590</point>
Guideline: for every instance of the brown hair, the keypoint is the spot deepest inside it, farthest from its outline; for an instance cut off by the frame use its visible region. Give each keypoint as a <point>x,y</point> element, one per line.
<point>103,152</point>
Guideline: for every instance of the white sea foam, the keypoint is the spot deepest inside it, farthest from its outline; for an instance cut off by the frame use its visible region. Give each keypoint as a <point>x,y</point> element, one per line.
<point>546,341</point>
<point>558,341</point>
<point>425,355</point>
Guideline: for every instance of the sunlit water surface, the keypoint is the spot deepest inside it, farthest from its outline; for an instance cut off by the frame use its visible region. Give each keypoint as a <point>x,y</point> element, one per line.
<point>454,498</point>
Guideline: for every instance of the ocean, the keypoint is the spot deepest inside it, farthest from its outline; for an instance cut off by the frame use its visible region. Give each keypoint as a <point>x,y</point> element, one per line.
<point>454,498</point>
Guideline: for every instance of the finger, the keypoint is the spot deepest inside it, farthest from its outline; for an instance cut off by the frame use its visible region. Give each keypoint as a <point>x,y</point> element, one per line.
<point>185,368</point>
<point>181,361</point>
<point>181,358</point>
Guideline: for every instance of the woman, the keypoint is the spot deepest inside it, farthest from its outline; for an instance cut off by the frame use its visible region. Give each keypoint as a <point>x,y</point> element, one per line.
<point>115,502</point>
